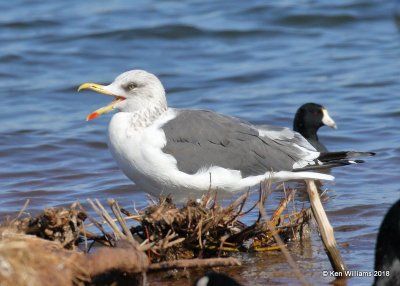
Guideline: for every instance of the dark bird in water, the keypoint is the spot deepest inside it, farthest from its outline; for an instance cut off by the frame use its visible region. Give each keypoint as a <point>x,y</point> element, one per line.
<point>308,119</point>
<point>387,251</point>
<point>216,279</point>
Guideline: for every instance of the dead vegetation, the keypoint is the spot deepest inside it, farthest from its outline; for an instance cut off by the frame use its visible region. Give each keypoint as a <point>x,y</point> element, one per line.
<point>55,224</point>
<point>162,236</point>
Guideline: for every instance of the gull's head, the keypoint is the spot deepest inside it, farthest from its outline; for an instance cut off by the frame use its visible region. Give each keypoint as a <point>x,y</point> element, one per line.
<point>133,90</point>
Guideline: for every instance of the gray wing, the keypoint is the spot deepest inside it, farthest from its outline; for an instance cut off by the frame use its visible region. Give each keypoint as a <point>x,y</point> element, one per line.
<point>201,139</point>
<point>291,143</point>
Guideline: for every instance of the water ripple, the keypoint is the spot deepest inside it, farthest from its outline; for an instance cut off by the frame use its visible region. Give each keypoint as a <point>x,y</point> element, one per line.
<point>33,24</point>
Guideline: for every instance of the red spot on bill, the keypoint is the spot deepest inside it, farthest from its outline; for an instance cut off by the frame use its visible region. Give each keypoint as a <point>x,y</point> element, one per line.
<point>92,116</point>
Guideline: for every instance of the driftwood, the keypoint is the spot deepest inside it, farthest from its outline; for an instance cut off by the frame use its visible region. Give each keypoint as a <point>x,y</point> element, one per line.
<point>325,229</point>
<point>194,263</point>
<point>125,257</point>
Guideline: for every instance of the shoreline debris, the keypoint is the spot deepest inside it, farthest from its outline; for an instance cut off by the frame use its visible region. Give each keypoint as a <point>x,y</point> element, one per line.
<point>160,237</point>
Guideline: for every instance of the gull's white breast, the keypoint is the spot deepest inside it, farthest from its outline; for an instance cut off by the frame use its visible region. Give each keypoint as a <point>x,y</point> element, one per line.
<point>138,151</point>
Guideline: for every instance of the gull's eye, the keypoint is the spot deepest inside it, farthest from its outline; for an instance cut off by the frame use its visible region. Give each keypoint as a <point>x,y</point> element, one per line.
<point>131,86</point>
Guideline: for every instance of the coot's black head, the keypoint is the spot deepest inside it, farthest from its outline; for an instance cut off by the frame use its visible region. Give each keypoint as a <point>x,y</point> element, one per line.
<point>309,118</point>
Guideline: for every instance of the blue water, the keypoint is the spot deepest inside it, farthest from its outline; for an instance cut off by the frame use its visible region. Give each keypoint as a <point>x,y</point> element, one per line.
<point>251,59</point>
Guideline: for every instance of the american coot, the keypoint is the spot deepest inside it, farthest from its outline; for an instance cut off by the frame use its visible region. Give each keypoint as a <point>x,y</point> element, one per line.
<point>187,152</point>
<point>308,119</point>
<point>387,251</point>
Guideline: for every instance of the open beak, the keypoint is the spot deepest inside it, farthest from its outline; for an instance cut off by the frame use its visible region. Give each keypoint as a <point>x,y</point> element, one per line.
<point>101,89</point>
<point>327,120</point>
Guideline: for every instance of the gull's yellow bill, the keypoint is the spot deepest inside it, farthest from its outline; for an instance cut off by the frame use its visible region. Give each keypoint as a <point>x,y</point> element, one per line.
<point>100,89</point>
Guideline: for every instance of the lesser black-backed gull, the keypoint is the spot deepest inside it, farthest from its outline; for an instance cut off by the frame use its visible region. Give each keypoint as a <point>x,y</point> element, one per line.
<point>182,152</point>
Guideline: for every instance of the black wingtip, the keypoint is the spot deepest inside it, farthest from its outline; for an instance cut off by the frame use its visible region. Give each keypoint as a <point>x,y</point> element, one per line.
<point>363,154</point>
<point>332,156</point>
